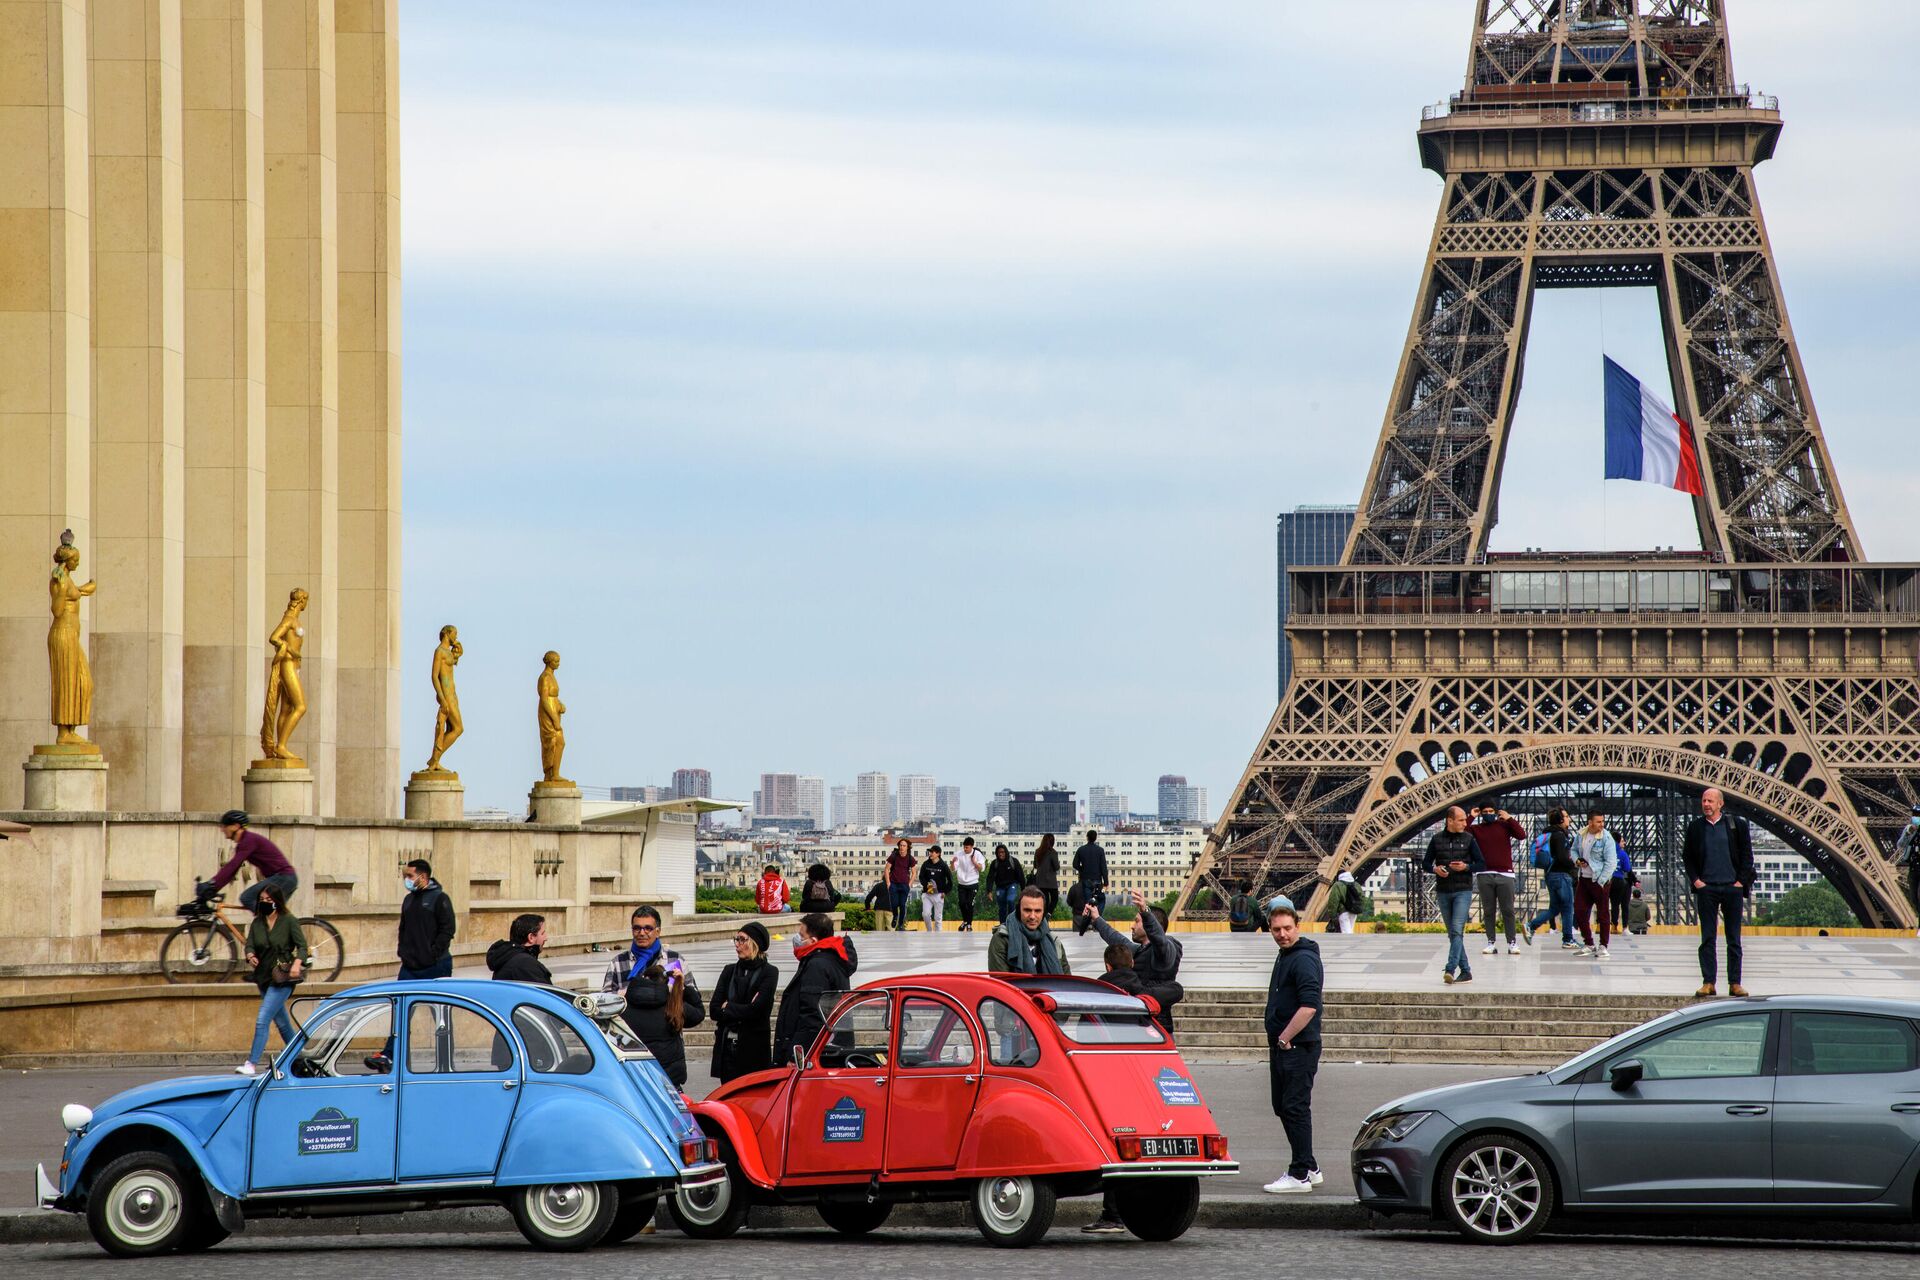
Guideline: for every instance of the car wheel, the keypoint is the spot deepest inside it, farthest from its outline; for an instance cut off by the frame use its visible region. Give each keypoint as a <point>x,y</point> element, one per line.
<point>1157,1208</point>
<point>564,1217</point>
<point>1012,1212</point>
<point>1497,1190</point>
<point>713,1210</point>
<point>632,1217</point>
<point>854,1217</point>
<point>139,1205</point>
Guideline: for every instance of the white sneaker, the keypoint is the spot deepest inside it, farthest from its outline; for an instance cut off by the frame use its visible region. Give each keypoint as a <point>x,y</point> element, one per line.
<point>1288,1185</point>
<point>1316,1177</point>
<point>246,1069</point>
<point>1513,948</point>
<point>1603,953</point>
<point>1489,950</point>
<point>1588,951</point>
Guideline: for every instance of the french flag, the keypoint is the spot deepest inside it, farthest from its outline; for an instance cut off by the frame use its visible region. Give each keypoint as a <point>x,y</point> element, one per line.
<point>1645,439</point>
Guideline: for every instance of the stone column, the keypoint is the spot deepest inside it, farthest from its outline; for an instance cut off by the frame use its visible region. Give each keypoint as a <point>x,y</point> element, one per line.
<point>45,371</point>
<point>368,123</point>
<point>555,802</point>
<point>224,659</point>
<point>138,399</point>
<point>303,357</point>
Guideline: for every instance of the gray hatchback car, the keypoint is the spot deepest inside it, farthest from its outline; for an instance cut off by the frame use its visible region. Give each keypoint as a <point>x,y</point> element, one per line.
<point>1787,1105</point>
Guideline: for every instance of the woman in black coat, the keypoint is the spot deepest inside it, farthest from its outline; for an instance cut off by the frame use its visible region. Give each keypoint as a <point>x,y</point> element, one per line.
<point>742,1007</point>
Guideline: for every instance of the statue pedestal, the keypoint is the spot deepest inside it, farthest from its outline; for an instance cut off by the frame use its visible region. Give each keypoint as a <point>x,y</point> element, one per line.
<point>70,778</point>
<point>436,795</point>
<point>278,789</point>
<point>555,802</point>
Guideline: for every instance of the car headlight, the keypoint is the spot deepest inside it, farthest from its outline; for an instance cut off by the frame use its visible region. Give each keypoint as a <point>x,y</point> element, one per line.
<point>74,1117</point>
<point>1392,1127</point>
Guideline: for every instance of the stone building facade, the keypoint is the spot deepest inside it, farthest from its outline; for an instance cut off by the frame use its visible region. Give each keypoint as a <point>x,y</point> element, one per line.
<point>199,375</point>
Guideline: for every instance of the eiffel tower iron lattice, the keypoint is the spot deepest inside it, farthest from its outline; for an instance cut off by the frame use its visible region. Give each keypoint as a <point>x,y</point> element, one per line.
<point>1596,143</point>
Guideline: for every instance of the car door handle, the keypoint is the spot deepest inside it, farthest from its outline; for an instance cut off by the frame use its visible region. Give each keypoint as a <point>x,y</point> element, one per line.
<point>386,1088</point>
<point>1747,1109</point>
<point>880,1080</point>
<point>971,1079</point>
<point>1907,1108</point>
<point>509,1084</point>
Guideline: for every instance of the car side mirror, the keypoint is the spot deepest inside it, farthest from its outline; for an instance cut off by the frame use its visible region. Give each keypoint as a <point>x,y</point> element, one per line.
<point>800,1057</point>
<point>1624,1075</point>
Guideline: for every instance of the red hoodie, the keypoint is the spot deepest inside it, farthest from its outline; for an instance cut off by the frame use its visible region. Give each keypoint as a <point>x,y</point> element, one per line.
<point>1496,842</point>
<point>770,895</point>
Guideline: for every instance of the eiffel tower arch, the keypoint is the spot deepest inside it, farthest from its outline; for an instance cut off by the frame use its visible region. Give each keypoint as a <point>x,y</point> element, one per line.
<point>1596,143</point>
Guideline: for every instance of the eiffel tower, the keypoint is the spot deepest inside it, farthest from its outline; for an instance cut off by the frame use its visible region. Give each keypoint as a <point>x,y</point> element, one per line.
<point>1596,143</point>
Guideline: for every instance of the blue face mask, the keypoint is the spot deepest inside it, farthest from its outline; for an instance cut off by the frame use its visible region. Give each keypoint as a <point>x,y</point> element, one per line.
<point>411,885</point>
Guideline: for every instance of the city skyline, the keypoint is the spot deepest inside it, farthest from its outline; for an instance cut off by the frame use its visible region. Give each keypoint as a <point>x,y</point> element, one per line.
<point>1041,314</point>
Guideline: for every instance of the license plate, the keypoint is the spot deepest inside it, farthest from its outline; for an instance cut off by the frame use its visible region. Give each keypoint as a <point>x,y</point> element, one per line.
<point>1158,1148</point>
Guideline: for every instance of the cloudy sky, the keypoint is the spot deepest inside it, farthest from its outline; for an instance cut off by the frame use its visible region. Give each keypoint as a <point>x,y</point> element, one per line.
<point>913,387</point>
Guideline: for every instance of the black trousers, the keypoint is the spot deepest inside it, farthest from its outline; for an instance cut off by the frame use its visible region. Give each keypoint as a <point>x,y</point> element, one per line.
<point>282,886</point>
<point>967,893</point>
<point>1618,895</point>
<point>1291,1073</point>
<point>1725,901</point>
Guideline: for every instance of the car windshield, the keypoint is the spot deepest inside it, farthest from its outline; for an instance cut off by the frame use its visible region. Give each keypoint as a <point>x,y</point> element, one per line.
<point>1110,1027</point>
<point>1581,1061</point>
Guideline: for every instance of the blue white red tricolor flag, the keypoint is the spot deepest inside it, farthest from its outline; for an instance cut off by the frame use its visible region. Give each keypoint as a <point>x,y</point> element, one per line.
<point>1645,439</point>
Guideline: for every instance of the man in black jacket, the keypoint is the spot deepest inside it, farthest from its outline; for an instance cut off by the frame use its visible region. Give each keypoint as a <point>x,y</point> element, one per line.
<point>825,962</point>
<point>1293,1044</point>
<point>1453,859</point>
<point>514,958</point>
<point>1156,955</point>
<point>426,925</point>
<point>1090,869</point>
<point>1718,853</point>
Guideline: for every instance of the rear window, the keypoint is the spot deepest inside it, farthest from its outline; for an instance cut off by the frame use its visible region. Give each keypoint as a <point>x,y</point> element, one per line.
<point>1108,1027</point>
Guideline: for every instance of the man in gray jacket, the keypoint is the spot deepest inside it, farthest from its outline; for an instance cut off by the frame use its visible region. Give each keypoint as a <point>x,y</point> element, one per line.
<point>1156,956</point>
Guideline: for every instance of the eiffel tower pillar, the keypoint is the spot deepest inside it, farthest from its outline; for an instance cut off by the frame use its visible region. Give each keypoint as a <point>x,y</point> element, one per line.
<point>1595,143</point>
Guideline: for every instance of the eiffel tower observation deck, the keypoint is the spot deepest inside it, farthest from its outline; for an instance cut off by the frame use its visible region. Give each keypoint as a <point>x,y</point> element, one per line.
<point>1595,143</point>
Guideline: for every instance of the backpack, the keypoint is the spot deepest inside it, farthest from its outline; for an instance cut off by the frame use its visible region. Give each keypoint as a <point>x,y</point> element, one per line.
<point>1337,898</point>
<point>1240,910</point>
<point>1543,851</point>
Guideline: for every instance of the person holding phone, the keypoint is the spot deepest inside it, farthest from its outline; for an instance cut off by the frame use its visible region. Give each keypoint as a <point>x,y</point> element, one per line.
<point>1453,859</point>
<point>662,997</point>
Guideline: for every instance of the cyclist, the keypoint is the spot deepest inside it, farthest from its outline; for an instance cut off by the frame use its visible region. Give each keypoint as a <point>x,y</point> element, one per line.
<point>251,847</point>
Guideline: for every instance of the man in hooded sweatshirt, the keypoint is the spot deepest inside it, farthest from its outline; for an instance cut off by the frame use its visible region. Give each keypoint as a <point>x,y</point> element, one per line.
<point>823,962</point>
<point>1156,956</point>
<point>1293,1045</point>
<point>514,958</point>
<point>1023,943</point>
<point>1350,901</point>
<point>426,925</point>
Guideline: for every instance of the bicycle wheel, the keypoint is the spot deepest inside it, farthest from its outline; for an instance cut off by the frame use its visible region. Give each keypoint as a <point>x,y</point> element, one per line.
<point>329,952</point>
<point>199,951</point>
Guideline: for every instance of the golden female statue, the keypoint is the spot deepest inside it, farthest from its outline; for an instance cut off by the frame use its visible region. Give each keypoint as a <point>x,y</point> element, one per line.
<point>72,677</point>
<point>286,700</point>
<point>447,725</point>
<point>553,742</point>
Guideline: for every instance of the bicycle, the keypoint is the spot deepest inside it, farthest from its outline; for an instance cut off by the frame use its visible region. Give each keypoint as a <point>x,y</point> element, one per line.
<point>207,947</point>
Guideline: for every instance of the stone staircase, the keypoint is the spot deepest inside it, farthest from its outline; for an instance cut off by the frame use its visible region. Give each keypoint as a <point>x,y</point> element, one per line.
<point>1479,1027</point>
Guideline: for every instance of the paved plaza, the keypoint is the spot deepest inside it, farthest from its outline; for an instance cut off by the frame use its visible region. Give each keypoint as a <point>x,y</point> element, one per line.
<point>1663,964</point>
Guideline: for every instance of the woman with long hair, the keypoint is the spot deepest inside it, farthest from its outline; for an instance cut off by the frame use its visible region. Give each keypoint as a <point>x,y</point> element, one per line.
<point>277,955</point>
<point>1046,870</point>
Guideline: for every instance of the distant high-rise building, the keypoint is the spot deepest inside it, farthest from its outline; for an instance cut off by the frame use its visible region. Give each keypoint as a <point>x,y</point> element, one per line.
<point>642,795</point>
<point>779,796</point>
<point>1106,804</point>
<point>841,803</point>
<point>812,800</point>
<point>1048,808</point>
<point>1197,804</point>
<point>1308,535</point>
<point>946,804</point>
<point>1173,797</point>
<point>872,800</point>
<point>692,784</point>
<point>998,806</point>
<point>918,798</point>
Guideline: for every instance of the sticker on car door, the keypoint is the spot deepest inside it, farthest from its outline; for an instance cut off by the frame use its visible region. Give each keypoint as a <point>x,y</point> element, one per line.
<point>331,1132</point>
<point>846,1121</point>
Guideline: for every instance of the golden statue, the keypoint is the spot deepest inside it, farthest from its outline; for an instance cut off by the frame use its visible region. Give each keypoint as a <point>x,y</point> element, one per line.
<point>72,677</point>
<point>286,700</point>
<point>447,725</point>
<point>553,742</point>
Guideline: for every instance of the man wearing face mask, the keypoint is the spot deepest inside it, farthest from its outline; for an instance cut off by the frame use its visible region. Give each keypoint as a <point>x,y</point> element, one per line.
<point>426,924</point>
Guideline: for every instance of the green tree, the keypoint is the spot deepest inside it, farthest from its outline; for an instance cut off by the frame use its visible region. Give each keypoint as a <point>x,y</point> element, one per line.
<point>1811,906</point>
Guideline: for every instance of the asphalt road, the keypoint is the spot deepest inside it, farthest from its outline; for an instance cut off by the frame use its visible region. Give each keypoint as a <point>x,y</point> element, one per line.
<point>30,1103</point>
<point>807,1255</point>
